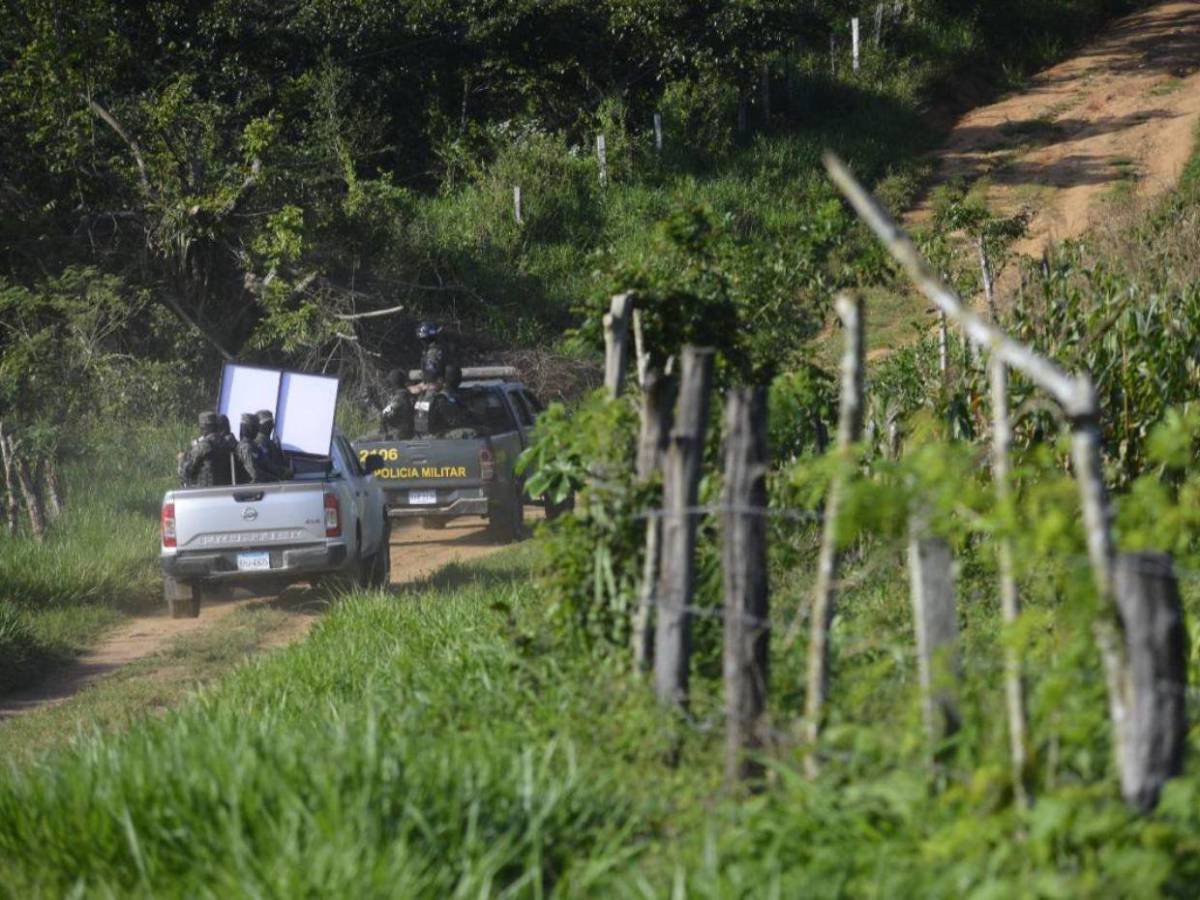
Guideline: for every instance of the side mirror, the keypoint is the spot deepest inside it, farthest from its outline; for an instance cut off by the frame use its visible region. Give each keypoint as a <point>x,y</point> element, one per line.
<point>373,464</point>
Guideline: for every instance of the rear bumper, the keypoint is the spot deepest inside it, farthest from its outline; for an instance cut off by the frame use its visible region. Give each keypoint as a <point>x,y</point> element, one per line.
<point>285,562</point>
<point>451,504</point>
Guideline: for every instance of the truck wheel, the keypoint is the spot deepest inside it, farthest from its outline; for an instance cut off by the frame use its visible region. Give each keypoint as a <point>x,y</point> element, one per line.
<point>377,569</point>
<point>554,510</point>
<point>506,520</point>
<point>183,597</point>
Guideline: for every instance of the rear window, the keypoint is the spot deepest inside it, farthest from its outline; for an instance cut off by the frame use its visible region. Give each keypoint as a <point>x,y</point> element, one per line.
<point>523,410</point>
<point>487,411</point>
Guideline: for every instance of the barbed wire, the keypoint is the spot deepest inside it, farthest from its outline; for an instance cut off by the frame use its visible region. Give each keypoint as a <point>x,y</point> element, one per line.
<point>817,517</point>
<point>789,514</point>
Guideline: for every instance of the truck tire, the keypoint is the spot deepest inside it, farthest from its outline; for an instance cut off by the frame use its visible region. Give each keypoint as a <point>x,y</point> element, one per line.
<point>506,519</point>
<point>554,510</point>
<point>378,568</point>
<point>183,597</point>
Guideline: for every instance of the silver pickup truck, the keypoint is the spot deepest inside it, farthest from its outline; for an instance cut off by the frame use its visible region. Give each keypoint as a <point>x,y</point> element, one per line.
<point>329,521</point>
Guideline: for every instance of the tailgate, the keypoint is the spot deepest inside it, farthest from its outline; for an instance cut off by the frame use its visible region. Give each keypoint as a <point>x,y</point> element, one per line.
<point>253,515</point>
<point>437,464</point>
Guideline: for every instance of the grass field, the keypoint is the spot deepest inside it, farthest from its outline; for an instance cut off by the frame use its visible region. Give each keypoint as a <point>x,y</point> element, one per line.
<point>99,559</point>
<point>441,742</point>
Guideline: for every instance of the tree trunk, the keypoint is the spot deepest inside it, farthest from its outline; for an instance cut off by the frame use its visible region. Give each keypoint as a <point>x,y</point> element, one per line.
<point>53,489</point>
<point>33,502</point>
<point>12,505</point>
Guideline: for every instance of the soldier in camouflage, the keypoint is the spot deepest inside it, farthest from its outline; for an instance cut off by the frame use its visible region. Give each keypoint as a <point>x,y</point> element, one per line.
<point>277,466</point>
<point>396,418</point>
<point>433,353</point>
<point>439,409</point>
<point>206,463</point>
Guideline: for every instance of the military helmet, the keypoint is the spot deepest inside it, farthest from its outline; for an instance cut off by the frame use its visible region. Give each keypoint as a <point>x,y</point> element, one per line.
<point>209,422</point>
<point>248,427</point>
<point>265,416</point>
<point>427,331</point>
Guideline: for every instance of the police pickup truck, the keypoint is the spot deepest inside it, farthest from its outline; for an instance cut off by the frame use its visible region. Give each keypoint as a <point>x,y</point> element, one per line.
<point>327,522</point>
<point>468,472</point>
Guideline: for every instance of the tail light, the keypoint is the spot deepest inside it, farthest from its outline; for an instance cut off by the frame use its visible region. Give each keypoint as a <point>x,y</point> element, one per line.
<point>487,465</point>
<point>333,516</point>
<point>168,524</point>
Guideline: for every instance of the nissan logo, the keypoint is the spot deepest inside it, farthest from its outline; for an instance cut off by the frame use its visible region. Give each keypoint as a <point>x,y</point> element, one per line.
<point>249,513</point>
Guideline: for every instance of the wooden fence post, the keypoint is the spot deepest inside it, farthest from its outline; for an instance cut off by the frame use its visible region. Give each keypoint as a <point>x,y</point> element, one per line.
<point>640,353</point>
<point>1076,394</point>
<point>1156,642</point>
<point>1086,459</point>
<point>658,132</point>
<point>850,424</point>
<point>681,480</point>
<point>1010,606</point>
<point>602,158</point>
<point>879,25</point>
<point>517,204</point>
<point>854,41</point>
<point>744,569</point>
<point>833,54</point>
<point>989,279</point>
<point>931,571</point>
<point>652,443</point>
<point>616,343</point>
<point>943,346</point>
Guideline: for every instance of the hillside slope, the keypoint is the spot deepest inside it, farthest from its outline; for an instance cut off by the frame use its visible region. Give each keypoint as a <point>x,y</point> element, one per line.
<point>1115,119</point>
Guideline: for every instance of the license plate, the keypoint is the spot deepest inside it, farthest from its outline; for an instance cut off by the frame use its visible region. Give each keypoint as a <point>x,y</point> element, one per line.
<point>253,562</point>
<point>422,498</point>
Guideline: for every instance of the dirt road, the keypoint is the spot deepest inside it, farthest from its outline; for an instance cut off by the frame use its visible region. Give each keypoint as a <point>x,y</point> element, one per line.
<point>1119,118</point>
<point>417,553</point>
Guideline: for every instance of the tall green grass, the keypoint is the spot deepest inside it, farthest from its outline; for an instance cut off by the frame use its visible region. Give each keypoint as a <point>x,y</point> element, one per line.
<point>441,743</point>
<point>411,747</point>
<point>98,558</point>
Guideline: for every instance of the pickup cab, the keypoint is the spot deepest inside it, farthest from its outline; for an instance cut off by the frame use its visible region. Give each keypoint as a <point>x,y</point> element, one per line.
<point>472,473</point>
<point>328,522</point>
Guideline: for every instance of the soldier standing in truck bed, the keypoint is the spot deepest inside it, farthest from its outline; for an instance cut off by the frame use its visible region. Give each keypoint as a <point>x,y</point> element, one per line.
<point>433,349</point>
<point>396,416</point>
<point>439,409</point>
<point>206,463</point>
<point>277,465</point>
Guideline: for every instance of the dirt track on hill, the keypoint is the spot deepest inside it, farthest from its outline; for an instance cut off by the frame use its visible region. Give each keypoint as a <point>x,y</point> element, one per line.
<point>417,553</point>
<point>1118,118</point>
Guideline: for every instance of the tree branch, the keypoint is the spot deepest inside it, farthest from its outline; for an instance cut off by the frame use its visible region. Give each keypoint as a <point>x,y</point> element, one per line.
<point>193,323</point>
<point>375,313</point>
<point>105,116</point>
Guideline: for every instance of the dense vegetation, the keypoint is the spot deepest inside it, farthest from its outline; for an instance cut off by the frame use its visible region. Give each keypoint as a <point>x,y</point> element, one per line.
<point>100,558</point>
<point>244,175</point>
<point>484,734</point>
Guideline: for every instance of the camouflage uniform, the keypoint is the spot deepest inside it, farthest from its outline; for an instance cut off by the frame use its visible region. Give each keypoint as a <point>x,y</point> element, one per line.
<point>206,463</point>
<point>249,462</point>
<point>273,461</point>
<point>397,420</point>
<point>437,412</point>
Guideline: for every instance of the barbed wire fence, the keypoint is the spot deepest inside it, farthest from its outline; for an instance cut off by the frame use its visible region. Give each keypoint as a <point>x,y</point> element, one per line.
<point>1139,630</point>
